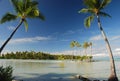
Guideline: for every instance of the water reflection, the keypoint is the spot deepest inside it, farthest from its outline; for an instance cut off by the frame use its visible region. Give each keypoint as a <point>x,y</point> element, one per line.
<point>25,68</point>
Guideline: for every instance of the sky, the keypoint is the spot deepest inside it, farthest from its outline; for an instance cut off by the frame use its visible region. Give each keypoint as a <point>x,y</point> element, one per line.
<point>62,25</point>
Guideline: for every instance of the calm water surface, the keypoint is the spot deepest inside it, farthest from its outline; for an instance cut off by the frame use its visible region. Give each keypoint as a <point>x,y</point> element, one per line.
<point>48,68</point>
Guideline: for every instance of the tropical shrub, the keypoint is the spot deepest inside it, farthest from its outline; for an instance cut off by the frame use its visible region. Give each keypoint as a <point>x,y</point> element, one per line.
<point>6,73</point>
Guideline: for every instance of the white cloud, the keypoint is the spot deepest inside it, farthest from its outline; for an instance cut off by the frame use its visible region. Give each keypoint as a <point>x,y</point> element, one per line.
<point>96,38</point>
<point>32,39</point>
<point>115,38</point>
<point>117,49</point>
<point>11,27</point>
<point>100,55</point>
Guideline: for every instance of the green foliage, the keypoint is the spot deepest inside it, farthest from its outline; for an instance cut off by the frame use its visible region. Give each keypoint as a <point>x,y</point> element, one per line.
<point>8,17</point>
<point>94,7</point>
<point>84,10</point>
<point>72,44</point>
<point>24,9</point>
<point>75,43</point>
<point>104,3</point>
<point>92,3</point>
<point>88,21</point>
<point>6,73</point>
<point>104,14</point>
<point>40,56</point>
<point>26,24</point>
<point>61,57</point>
<point>85,45</point>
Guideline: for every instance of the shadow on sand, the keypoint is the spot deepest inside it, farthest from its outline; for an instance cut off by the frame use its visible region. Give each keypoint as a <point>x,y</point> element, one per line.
<point>47,77</point>
<point>53,77</point>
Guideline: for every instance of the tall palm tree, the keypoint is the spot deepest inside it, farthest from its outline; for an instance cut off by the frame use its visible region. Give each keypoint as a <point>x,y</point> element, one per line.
<point>72,45</point>
<point>90,44</point>
<point>78,45</point>
<point>95,7</point>
<point>24,9</point>
<point>85,46</point>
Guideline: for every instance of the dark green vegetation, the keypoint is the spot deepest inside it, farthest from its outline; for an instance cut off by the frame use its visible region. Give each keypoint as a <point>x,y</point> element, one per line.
<point>6,73</point>
<point>43,56</point>
<point>23,9</point>
<point>95,9</point>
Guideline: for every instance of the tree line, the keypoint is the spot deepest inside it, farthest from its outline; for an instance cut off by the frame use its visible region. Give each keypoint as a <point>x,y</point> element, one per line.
<point>43,56</point>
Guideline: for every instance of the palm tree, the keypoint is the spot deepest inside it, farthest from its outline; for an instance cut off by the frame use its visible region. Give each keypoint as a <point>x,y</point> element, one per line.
<point>24,9</point>
<point>75,44</point>
<point>95,7</point>
<point>85,46</point>
<point>72,45</point>
<point>90,44</point>
<point>78,45</point>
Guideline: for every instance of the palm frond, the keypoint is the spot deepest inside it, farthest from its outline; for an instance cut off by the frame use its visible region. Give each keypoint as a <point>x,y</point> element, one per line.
<point>34,14</point>
<point>84,10</point>
<point>34,3</point>
<point>72,44</point>
<point>78,44</point>
<point>28,4</point>
<point>8,17</point>
<point>27,8</point>
<point>92,3</point>
<point>104,14</point>
<point>88,20</point>
<point>85,45</point>
<point>17,5</point>
<point>41,16</point>
<point>26,25</point>
<point>104,3</point>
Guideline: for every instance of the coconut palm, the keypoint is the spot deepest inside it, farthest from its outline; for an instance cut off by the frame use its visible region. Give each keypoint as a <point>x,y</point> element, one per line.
<point>90,44</point>
<point>85,46</point>
<point>24,9</point>
<point>78,44</point>
<point>95,8</point>
<point>72,45</point>
<point>75,44</point>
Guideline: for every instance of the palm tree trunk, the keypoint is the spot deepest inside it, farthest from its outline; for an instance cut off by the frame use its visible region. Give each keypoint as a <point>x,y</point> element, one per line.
<point>5,43</point>
<point>91,49</point>
<point>85,51</point>
<point>113,76</point>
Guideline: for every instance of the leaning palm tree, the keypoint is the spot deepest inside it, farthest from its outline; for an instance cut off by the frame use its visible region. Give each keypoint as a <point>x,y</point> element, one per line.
<point>95,7</point>
<point>24,9</point>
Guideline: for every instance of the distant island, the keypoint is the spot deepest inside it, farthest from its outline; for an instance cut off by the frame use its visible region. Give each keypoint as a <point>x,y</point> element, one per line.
<point>43,56</point>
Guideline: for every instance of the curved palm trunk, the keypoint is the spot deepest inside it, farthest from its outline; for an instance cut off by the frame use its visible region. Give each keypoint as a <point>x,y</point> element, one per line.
<point>5,43</point>
<point>113,76</point>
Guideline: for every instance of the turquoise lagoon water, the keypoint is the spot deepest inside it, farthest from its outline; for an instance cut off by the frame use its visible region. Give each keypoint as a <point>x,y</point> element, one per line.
<point>63,69</point>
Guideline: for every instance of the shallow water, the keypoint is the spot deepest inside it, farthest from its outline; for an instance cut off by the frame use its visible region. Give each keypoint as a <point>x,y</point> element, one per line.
<point>56,69</point>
